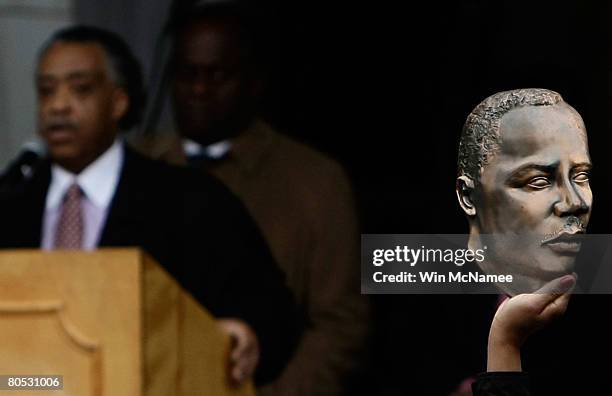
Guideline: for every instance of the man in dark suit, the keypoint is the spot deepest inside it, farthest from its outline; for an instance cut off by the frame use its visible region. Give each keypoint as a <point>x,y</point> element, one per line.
<point>92,192</point>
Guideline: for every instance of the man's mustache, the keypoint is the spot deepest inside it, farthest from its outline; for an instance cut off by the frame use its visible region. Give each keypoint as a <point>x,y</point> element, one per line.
<point>573,225</point>
<point>59,124</point>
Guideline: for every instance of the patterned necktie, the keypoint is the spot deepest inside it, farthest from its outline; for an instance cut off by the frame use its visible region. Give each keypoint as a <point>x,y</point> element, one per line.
<point>69,232</point>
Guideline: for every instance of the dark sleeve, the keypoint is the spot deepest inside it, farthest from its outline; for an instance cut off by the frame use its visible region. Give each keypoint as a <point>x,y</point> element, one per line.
<point>242,279</point>
<point>502,384</point>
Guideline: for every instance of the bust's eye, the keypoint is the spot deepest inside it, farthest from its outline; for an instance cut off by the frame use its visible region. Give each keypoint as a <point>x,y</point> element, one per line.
<point>539,182</point>
<point>581,177</point>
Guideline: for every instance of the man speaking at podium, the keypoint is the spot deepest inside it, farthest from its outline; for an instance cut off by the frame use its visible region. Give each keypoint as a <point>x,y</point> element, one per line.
<point>93,192</point>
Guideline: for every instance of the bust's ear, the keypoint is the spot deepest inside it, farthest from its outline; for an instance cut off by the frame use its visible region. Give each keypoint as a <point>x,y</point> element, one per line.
<point>464,187</point>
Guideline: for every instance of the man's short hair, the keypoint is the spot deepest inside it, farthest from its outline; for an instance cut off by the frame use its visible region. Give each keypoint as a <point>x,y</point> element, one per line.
<point>481,138</point>
<point>125,68</point>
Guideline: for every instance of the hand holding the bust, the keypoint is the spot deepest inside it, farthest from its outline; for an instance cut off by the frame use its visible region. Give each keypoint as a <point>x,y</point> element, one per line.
<point>520,316</point>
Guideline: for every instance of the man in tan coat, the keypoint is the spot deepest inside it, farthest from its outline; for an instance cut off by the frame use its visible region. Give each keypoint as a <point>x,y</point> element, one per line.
<point>300,198</point>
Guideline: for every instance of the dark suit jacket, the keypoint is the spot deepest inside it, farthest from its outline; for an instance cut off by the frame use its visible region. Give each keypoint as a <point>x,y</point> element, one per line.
<point>194,227</point>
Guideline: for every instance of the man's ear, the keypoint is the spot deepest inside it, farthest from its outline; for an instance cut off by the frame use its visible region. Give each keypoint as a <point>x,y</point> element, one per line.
<point>464,187</point>
<point>121,102</point>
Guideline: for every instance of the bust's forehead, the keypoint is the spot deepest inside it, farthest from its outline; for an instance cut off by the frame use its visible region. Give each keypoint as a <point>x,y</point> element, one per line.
<point>561,117</point>
<point>528,127</point>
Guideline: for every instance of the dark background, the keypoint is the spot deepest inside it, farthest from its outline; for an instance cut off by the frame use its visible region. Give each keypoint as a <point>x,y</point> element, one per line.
<point>385,89</point>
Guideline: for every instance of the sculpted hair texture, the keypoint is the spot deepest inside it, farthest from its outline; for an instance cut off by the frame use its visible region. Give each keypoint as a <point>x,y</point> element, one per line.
<point>480,138</point>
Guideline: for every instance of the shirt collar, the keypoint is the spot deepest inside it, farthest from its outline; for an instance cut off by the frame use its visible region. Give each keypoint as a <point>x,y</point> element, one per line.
<point>248,148</point>
<point>216,150</point>
<point>98,180</point>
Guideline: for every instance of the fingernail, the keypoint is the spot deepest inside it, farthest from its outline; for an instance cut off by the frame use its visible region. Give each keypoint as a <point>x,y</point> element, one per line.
<point>567,282</point>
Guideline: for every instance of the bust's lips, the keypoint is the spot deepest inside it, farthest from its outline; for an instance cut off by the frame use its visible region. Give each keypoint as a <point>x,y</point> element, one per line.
<point>565,242</point>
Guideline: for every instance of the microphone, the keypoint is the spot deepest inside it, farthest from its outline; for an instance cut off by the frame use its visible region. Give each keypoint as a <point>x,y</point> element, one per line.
<point>21,169</point>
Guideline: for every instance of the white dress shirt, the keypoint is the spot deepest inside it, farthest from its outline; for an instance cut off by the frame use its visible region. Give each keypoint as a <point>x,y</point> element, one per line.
<point>98,183</point>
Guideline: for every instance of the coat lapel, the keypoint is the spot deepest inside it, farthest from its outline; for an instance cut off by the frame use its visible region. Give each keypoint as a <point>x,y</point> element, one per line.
<point>124,221</point>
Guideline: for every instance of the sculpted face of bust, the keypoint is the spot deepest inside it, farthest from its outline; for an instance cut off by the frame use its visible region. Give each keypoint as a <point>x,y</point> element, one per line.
<point>530,199</point>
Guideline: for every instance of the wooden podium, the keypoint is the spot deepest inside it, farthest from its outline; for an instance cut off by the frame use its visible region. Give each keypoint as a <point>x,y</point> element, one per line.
<point>112,322</point>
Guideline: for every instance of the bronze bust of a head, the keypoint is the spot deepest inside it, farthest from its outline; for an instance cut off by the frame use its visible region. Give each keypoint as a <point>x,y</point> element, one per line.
<point>523,183</point>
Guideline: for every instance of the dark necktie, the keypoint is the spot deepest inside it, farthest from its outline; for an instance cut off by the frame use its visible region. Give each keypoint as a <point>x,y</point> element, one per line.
<point>203,159</point>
